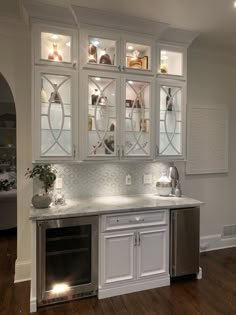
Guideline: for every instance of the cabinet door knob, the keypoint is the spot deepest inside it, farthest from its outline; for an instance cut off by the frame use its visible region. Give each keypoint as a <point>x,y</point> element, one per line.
<point>157,150</point>
<point>123,68</point>
<point>119,68</point>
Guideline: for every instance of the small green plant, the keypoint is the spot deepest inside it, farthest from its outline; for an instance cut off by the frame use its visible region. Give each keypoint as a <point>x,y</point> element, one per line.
<point>45,173</point>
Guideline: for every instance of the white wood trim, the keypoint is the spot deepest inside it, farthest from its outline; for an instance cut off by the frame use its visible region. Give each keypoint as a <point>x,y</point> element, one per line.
<point>201,165</point>
<point>22,271</point>
<point>134,287</point>
<point>216,242</point>
<point>33,284</point>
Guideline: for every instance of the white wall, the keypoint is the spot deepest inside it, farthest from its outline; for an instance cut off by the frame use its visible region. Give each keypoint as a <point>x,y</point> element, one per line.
<point>15,67</point>
<point>211,81</point>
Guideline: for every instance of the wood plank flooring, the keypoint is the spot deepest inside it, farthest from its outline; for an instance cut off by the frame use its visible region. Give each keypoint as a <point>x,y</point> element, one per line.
<point>215,294</point>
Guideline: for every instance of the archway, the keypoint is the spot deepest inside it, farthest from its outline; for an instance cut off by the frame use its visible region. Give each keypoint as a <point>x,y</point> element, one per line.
<point>8,209</point>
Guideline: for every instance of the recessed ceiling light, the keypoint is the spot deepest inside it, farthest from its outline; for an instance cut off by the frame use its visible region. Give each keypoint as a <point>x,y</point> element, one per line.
<point>55,37</point>
<point>95,42</point>
<point>130,47</point>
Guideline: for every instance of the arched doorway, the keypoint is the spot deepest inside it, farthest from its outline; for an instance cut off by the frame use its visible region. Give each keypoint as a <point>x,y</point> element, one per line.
<point>8,209</point>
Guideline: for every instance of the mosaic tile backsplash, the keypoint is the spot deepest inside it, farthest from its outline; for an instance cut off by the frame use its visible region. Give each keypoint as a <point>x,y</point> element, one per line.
<point>107,179</point>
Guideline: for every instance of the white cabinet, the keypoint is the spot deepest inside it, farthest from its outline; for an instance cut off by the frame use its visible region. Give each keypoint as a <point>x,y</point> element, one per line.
<point>113,51</point>
<point>54,96</point>
<point>171,62</point>
<point>55,87</point>
<point>54,46</point>
<point>152,252</point>
<point>171,116</point>
<point>118,116</point>
<point>134,252</point>
<point>113,245</point>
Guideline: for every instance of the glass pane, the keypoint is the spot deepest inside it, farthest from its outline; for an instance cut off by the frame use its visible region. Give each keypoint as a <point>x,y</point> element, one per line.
<point>101,51</point>
<point>101,116</point>
<point>138,56</point>
<point>68,256</point>
<point>170,120</point>
<point>137,118</point>
<point>171,63</point>
<point>56,129</point>
<point>55,47</point>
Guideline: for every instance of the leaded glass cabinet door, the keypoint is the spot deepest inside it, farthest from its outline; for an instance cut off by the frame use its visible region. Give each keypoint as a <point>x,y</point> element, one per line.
<point>101,116</point>
<point>53,115</point>
<point>137,117</point>
<point>172,119</point>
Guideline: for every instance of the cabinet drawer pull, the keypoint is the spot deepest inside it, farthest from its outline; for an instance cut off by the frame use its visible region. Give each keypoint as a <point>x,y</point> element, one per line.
<point>138,239</point>
<point>135,239</point>
<point>137,220</point>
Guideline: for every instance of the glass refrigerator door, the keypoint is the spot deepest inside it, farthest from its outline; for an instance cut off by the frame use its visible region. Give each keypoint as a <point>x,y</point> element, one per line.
<point>101,116</point>
<point>171,120</point>
<point>137,119</point>
<point>56,113</point>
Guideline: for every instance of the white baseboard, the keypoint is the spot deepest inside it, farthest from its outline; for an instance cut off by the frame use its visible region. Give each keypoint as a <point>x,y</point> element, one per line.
<point>133,287</point>
<point>215,241</point>
<point>22,271</point>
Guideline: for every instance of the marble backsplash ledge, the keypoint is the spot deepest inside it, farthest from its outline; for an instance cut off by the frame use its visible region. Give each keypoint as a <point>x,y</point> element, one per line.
<point>107,179</point>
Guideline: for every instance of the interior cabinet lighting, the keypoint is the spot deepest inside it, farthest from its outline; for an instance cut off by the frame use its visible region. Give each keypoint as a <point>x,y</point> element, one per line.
<point>60,288</point>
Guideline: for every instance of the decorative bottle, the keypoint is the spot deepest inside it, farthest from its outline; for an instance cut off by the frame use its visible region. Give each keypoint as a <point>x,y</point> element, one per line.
<point>169,101</point>
<point>95,97</point>
<point>55,55</point>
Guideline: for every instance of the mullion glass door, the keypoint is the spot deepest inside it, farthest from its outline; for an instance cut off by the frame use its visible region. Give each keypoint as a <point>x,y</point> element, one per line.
<point>171,120</point>
<point>56,116</point>
<point>102,136</point>
<point>137,119</point>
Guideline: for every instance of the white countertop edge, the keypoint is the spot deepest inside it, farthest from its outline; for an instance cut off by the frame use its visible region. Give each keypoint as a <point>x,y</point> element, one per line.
<point>112,204</point>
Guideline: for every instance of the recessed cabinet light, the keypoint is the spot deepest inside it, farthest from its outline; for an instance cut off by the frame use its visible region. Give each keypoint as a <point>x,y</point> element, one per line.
<point>98,79</point>
<point>130,47</point>
<point>235,4</point>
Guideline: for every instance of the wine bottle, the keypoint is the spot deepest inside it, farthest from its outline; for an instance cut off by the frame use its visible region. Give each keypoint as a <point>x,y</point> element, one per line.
<point>169,101</point>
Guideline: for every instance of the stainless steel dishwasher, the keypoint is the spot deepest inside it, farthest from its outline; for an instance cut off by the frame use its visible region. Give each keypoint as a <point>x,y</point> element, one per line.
<point>184,241</point>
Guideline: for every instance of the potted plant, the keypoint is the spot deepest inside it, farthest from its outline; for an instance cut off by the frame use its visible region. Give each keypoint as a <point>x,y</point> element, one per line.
<point>46,174</point>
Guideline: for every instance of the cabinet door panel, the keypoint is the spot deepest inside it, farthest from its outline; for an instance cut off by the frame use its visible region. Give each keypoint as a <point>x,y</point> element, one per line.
<point>102,137</point>
<point>152,252</point>
<point>137,109</point>
<point>55,115</point>
<point>172,119</point>
<point>117,257</point>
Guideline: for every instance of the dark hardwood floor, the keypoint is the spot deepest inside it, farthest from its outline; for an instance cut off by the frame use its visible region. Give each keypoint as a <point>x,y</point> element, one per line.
<point>215,294</point>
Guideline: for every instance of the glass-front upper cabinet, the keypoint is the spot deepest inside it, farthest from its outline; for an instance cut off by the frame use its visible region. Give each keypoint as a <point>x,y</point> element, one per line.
<point>136,134</point>
<point>53,112</point>
<point>101,112</point>
<point>171,62</point>
<point>137,54</point>
<point>99,50</point>
<point>55,46</point>
<point>172,119</point>
<point>113,52</point>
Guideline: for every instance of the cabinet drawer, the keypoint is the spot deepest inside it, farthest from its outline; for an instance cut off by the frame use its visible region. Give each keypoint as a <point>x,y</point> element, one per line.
<point>135,219</point>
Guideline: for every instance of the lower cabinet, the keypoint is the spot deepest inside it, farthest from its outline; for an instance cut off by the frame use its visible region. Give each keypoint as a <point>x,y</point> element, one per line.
<point>133,259</point>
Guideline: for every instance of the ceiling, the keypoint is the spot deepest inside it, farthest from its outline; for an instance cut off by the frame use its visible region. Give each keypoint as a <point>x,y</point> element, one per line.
<point>215,20</point>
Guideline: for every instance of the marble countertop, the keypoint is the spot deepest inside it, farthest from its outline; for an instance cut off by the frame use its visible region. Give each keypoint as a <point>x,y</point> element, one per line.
<point>111,204</point>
